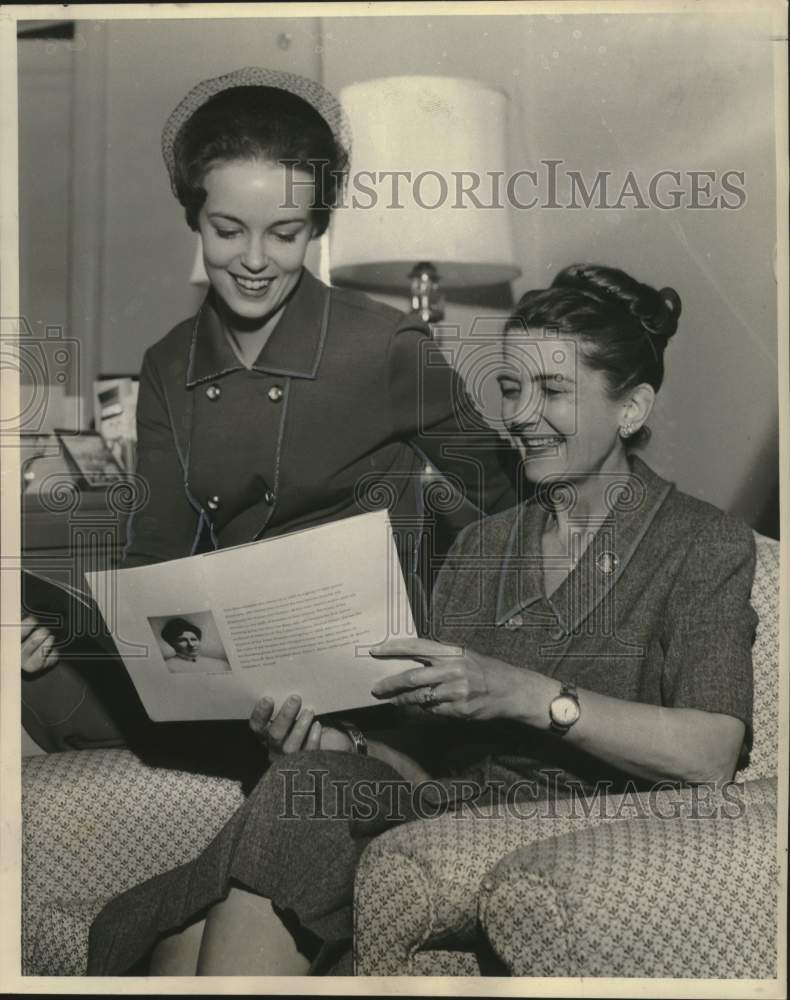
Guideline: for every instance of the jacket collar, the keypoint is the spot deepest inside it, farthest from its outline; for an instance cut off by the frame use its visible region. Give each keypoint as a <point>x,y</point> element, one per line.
<point>293,349</point>
<point>635,499</point>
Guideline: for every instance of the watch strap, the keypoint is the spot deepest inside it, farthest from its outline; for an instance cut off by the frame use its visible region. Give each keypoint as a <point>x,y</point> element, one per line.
<point>359,743</point>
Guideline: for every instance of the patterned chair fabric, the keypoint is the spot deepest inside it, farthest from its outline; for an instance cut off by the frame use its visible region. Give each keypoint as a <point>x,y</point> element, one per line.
<point>82,813</point>
<point>765,656</point>
<point>441,896</point>
<point>649,897</point>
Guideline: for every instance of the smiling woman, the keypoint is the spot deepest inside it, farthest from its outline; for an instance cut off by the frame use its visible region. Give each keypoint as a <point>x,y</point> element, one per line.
<point>583,361</point>
<point>265,412</point>
<point>258,187</point>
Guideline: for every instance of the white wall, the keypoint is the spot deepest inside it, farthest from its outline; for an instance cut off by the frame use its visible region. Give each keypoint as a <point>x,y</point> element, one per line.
<point>45,108</point>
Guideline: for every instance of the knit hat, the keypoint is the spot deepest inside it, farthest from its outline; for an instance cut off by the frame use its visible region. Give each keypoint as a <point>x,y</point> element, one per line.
<point>317,96</point>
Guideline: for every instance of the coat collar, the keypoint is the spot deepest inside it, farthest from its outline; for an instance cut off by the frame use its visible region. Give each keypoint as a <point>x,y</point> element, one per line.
<point>635,499</point>
<point>293,349</point>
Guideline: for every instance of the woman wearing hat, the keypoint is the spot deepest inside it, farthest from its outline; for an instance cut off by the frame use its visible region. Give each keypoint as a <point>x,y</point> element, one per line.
<point>594,639</point>
<point>283,403</point>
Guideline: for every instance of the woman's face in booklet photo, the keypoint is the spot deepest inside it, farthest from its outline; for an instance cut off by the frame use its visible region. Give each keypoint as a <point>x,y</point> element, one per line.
<point>186,644</point>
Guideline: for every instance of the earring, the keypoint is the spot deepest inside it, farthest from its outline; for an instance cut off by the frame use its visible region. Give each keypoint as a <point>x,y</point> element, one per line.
<point>626,430</point>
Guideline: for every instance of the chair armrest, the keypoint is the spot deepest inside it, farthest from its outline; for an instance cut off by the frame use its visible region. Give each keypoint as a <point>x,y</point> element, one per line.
<point>648,897</point>
<point>417,885</point>
<point>96,822</point>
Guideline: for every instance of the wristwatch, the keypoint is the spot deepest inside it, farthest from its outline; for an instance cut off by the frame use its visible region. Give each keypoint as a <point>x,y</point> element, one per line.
<point>564,710</point>
<point>359,743</point>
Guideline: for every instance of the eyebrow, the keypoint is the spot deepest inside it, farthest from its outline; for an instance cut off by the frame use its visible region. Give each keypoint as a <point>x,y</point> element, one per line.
<point>239,222</point>
<point>553,377</point>
<point>540,377</point>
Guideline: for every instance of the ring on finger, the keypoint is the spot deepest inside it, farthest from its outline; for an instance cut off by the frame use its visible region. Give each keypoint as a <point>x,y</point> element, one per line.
<point>429,699</point>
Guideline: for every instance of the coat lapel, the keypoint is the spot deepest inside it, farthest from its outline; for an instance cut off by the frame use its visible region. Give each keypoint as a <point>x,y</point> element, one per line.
<point>294,348</point>
<point>521,576</point>
<point>584,602</point>
<point>633,501</point>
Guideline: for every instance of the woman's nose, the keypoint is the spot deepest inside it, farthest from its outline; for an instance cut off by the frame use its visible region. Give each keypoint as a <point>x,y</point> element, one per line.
<point>254,257</point>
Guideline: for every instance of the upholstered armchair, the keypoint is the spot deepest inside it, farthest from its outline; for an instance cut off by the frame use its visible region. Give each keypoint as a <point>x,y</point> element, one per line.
<point>566,894</point>
<point>619,892</point>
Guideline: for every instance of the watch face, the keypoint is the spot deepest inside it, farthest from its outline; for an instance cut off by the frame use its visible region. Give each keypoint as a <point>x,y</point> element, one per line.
<point>564,710</point>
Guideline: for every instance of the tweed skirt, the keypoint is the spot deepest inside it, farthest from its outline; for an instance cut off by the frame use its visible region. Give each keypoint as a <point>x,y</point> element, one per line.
<point>296,840</point>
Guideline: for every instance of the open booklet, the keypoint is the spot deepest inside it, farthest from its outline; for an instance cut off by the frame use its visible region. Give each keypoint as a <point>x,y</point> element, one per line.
<point>204,637</point>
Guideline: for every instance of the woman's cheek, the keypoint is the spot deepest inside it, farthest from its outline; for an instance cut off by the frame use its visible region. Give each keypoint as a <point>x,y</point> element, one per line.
<point>508,410</point>
<point>296,255</point>
<point>563,415</point>
<point>211,257</point>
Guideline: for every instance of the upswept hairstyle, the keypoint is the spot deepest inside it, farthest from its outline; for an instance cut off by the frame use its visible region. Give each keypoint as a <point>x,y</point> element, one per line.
<point>623,325</point>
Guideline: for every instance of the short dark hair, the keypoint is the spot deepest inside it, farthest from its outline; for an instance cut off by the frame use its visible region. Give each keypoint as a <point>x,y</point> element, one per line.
<point>623,325</point>
<point>257,122</point>
<point>176,627</point>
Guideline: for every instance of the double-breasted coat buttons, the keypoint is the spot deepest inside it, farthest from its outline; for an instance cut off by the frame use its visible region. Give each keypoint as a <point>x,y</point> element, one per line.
<point>213,503</point>
<point>275,394</point>
<point>213,392</point>
<point>269,497</point>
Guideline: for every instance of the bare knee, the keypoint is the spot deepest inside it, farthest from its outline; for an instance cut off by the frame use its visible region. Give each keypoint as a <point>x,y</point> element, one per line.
<point>244,936</point>
<point>177,954</point>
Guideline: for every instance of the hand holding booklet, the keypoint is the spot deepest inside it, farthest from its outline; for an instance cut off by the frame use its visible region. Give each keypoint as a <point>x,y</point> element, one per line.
<point>206,636</point>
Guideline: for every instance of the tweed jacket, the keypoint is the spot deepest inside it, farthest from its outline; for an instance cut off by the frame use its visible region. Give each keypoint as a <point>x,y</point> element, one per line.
<point>656,611</point>
<point>337,416</point>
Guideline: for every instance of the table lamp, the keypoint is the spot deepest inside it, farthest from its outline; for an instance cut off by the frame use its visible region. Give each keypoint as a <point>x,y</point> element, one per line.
<point>429,152</point>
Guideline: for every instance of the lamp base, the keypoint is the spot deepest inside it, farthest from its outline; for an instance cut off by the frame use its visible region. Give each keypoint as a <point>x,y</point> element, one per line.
<point>425,298</point>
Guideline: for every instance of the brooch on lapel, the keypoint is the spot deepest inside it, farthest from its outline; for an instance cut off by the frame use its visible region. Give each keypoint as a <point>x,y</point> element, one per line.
<point>607,562</point>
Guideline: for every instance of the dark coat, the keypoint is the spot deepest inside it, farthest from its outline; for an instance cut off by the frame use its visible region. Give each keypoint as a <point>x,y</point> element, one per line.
<point>337,416</point>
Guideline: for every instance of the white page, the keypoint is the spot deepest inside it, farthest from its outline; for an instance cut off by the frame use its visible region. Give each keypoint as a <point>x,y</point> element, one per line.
<point>294,614</point>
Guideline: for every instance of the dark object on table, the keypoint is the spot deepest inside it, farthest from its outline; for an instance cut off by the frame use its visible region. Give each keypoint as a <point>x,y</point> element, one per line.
<point>90,456</point>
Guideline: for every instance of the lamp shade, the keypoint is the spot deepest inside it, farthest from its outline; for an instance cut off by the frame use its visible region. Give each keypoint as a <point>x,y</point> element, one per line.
<point>447,139</point>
